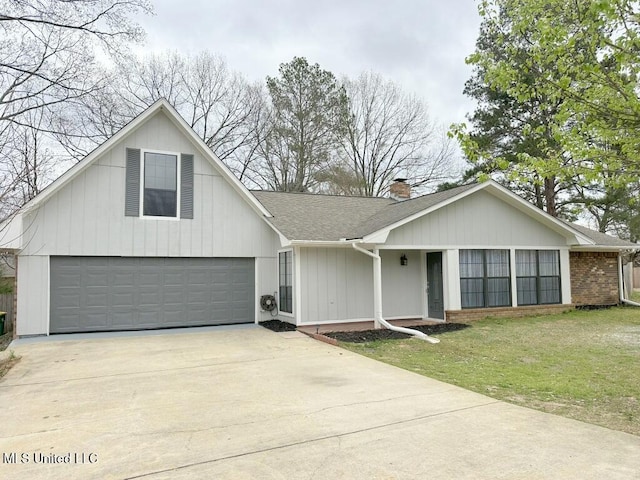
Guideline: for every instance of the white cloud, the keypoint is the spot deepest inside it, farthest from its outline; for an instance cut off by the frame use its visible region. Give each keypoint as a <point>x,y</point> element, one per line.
<point>419,44</point>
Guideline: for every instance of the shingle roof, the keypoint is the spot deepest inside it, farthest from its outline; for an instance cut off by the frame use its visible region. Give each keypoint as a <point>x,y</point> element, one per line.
<point>397,211</point>
<point>304,216</point>
<point>602,239</point>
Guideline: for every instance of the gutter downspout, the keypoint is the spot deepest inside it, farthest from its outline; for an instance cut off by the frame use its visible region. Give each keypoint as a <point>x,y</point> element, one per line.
<point>621,284</point>
<point>379,320</point>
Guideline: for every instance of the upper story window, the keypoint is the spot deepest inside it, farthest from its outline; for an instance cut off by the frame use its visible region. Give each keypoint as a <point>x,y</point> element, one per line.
<point>160,198</point>
<point>159,184</point>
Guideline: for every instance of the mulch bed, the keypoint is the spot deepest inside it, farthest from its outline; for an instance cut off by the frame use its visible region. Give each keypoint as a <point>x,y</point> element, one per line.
<point>384,334</point>
<point>278,326</point>
<point>369,335</point>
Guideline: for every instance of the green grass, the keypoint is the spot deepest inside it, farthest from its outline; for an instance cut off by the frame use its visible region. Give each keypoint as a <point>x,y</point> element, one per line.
<point>635,295</point>
<point>583,364</point>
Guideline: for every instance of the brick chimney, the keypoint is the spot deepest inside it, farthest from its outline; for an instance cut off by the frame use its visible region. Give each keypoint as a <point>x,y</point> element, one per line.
<point>400,190</point>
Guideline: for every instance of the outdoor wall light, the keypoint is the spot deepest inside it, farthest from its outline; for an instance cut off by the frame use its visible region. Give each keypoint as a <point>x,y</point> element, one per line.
<point>403,260</point>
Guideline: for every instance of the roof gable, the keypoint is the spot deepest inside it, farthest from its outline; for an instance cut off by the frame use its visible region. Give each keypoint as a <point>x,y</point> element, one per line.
<point>479,220</point>
<point>498,191</point>
<point>325,218</point>
<point>181,125</point>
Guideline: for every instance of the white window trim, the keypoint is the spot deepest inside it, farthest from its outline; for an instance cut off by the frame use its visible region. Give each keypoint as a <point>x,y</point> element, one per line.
<point>560,276</point>
<point>178,177</point>
<point>293,283</point>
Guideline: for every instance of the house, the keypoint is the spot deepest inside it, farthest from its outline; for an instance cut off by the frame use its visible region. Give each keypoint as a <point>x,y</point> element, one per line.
<point>151,230</point>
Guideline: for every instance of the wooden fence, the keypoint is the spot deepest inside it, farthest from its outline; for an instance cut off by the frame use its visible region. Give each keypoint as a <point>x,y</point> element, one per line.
<point>6,305</point>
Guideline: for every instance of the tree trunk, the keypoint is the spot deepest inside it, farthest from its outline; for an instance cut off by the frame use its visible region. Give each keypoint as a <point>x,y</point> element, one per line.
<point>550,195</point>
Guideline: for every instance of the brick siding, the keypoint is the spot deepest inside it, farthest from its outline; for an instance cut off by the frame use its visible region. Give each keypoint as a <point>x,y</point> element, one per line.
<point>473,314</point>
<point>594,278</point>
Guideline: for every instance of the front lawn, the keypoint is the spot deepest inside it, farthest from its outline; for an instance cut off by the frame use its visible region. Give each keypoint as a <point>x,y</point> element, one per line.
<point>583,364</point>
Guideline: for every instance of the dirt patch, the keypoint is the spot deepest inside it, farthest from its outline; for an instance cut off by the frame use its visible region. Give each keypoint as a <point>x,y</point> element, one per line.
<point>278,326</point>
<point>384,334</point>
<point>629,337</point>
<point>5,340</point>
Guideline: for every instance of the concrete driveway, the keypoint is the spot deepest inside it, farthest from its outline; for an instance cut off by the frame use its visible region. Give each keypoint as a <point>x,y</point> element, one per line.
<point>247,403</point>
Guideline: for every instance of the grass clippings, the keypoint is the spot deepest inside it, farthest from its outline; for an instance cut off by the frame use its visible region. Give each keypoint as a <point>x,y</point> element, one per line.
<point>581,365</point>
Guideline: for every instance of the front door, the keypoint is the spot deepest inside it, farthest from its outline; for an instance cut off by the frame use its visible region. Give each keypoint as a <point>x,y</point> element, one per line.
<point>435,302</point>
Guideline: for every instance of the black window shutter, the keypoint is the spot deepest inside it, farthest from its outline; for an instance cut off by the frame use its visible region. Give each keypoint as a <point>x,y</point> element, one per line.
<point>186,185</point>
<point>132,187</point>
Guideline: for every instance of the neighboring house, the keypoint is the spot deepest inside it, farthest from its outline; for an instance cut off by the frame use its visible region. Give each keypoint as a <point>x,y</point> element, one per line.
<point>151,230</point>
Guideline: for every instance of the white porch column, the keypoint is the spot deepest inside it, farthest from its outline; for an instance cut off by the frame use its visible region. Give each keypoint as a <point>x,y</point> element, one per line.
<point>514,279</point>
<point>451,278</point>
<point>565,276</point>
<point>377,288</point>
<point>297,282</point>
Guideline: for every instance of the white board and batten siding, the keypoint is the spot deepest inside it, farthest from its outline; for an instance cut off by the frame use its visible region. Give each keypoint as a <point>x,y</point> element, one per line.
<point>337,285</point>
<point>86,217</point>
<point>485,222</point>
<point>403,285</point>
<point>479,220</point>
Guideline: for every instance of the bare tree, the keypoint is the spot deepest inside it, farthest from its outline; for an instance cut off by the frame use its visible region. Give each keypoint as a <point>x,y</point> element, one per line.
<point>47,49</point>
<point>219,104</point>
<point>389,134</point>
<point>47,62</point>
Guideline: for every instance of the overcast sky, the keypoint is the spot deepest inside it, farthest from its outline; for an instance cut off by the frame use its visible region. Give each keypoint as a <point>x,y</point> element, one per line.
<point>419,44</point>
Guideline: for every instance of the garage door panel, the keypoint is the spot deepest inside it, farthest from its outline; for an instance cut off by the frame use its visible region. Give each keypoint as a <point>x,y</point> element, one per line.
<point>174,279</point>
<point>119,293</point>
<point>68,320</point>
<point>95,299</point>
<point>94,319</point>
<point>151,299</point>
<point>121,320</point>
<point>149,279</point>
<point>67,300</point>
<point>122,279</point>
<point>173,297</point>
<point>122,300</point>
<point>70,279</point>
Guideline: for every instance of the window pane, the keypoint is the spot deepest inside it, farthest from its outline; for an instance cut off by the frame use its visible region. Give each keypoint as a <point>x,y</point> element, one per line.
<point>498,294</point>
<point>527,291</point>
<point>549,290</point>
<point>526,263</point>
<point>472,292</point>
<point>549,262</point>
<point>160,185</point>
<point>471,264</point>
<point>497,263</point>
<point>285,261</point>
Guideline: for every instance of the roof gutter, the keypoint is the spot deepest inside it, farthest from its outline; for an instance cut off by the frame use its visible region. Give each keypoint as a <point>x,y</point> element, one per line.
<point>599,248</point>
<point>379,320</point>
<point>320,243</point>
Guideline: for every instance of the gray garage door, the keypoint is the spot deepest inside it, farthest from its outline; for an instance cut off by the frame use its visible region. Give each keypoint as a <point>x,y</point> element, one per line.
<point>91,294</point>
